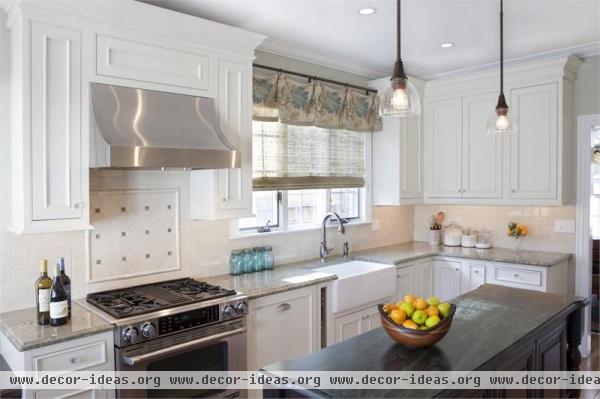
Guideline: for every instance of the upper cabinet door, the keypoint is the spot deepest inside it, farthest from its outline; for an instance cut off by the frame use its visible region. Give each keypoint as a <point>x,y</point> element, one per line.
<point>481,153</point>
<point>443,131</point>
<point>56,166</point>
<point>411,154</point>
<point>533,157</point>
<point>149,63</point>
<point>235,185</point>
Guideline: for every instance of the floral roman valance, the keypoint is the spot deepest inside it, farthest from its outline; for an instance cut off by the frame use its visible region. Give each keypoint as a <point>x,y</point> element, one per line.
<point>280,99</point>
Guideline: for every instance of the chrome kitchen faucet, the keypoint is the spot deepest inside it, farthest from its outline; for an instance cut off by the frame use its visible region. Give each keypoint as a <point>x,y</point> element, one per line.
<point>324,250</point>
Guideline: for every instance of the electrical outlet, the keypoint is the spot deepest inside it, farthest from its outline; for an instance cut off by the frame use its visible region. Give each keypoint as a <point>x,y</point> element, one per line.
<point>564,226</point>
<point>375,225</point>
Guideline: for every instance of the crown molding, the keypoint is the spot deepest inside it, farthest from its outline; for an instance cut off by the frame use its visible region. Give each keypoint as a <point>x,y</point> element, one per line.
<point>581,51</point>
<point>301,53</point>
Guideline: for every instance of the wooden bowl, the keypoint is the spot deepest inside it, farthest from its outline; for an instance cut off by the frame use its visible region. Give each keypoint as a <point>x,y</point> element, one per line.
<point>416,338</point>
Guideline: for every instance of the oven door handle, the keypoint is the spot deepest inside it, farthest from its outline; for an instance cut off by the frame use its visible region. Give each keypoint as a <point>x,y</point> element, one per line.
<point>133,360</point>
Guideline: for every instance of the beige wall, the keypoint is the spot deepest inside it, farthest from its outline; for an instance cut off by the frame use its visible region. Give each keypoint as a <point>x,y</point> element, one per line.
<point>540,221</point>
<point>205,245</point>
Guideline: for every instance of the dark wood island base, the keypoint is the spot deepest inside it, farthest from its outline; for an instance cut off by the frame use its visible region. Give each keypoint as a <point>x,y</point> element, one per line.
<point>495,329</point>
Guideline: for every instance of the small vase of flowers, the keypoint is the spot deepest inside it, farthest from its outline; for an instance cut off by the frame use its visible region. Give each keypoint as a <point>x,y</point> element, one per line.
<point>517,230</point>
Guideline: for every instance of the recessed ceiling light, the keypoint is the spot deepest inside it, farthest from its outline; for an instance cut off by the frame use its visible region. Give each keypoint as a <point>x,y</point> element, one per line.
<point>446,45</point>
<point>367,11</point>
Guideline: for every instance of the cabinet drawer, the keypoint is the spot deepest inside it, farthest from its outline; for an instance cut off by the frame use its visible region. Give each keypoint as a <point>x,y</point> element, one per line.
<point>131,60</point>
<point>72,359</point>
<point>528,277</point>
<point>73,394</point>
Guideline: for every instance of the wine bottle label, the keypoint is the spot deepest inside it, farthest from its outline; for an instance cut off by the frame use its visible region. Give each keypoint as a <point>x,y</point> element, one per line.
<point>58,310</point>
<point>44,299</point>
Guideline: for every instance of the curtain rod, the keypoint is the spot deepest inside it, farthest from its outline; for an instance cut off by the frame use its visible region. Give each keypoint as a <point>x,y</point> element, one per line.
<point>313,77</point>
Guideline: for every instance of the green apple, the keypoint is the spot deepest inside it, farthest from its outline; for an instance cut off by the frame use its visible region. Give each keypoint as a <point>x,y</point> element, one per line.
<point>408,308</point>
<point>422,328</point>
<point>444,309</point>
<point>419,317</point>
<point>432,321</point>
<point>433,300</point>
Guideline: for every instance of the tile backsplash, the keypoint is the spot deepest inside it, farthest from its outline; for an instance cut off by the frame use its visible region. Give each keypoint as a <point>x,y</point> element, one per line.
<point>204,246</point>
<point>540,220</point>
<point>136,233</point>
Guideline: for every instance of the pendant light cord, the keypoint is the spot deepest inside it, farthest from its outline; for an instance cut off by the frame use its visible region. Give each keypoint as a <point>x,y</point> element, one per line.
<point>501,47</point>
<point>398,30</point>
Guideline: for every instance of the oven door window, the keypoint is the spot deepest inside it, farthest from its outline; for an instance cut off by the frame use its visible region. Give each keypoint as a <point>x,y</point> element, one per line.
<point>208,358</point>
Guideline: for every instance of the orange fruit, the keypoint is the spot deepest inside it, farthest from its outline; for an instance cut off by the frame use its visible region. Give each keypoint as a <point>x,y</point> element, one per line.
<point>420,304</point>
<point>432,311</point>
<point>409,298</point>
<point>410,324</point>
<point>388,307</point>
<point>398,316</point>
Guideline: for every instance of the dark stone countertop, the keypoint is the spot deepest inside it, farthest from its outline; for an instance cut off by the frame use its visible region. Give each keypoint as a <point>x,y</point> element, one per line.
<point>488,321</point>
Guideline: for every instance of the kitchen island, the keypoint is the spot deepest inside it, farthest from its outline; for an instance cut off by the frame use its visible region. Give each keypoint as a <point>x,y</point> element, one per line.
<point>494,328</point>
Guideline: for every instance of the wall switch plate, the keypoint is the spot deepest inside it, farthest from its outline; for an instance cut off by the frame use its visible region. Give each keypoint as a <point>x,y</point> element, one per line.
<point>375,225</point>
<point>564,226</point>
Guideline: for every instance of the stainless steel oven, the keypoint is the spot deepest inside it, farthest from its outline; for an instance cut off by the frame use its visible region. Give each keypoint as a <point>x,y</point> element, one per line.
<point>216,347</point>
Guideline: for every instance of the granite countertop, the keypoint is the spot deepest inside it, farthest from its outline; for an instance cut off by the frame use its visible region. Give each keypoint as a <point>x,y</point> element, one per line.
<point>487,321</point>
<point>299,274</point>
<point>21,329</point>
<point>281,278</point>
<point>419,249</point>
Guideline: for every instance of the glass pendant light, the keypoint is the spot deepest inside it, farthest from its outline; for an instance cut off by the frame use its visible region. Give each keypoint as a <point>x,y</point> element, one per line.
<point>401,98</point>
<point>501,122</point>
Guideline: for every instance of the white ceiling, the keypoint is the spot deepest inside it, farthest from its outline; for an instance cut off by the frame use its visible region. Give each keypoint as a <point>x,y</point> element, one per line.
<point>332,33</point>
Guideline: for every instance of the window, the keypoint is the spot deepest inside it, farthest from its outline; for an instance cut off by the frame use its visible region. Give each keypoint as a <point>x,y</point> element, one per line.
<point>297,209</point>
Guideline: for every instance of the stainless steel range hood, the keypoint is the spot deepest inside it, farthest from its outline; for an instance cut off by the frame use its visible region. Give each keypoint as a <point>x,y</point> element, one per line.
<point>147,129</point>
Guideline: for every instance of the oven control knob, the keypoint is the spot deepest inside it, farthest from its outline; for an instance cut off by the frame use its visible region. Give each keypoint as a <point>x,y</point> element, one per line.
<point>130,335</point>
<point>228,311</point>
<point>242,308</point>
<point>148,330</point>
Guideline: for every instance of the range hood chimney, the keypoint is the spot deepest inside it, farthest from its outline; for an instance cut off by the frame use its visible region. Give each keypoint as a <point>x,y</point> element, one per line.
<point>148,129</point>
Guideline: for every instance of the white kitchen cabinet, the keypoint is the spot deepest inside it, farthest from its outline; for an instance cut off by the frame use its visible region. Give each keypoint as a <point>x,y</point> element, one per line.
<point>443,132</point>
<point>49,150</point>
<point>481,152</point>
<point>94,352</point>
<point>356,323</point>
<point>447,277</point>
<point>472,276</point>
<point>535,166</point>
<point>415,278</point>
<point>227,193</point>
<point>131,60</point>
<point>533,151</point>
<point>398,156</point>
<point>282,326</point>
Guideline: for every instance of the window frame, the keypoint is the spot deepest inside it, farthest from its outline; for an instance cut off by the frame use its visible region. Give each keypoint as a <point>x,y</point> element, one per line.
<point>364,204</point>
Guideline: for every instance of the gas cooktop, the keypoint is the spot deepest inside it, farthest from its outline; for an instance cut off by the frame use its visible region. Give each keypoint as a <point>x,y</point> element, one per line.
<point>148,298</point>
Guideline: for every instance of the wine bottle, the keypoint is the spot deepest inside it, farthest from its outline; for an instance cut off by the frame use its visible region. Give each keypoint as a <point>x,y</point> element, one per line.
<point>59,306</point>
<point>43,286</point>
<point>66,282</point>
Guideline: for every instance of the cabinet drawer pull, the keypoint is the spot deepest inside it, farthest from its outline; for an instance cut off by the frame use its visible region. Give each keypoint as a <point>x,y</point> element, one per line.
<point>516,275</point>
<point>283,307</point>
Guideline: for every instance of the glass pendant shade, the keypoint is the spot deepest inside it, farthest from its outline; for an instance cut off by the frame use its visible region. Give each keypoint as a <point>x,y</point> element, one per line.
<point>400,99</point>
<point>501,123</point>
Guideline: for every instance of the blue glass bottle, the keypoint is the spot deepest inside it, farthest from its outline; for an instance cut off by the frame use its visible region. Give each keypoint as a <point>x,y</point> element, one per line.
<point>235,262</point>
<point>269,259</point>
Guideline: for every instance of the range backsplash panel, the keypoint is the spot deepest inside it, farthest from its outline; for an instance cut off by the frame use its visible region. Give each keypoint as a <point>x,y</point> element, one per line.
<point>136,232</point>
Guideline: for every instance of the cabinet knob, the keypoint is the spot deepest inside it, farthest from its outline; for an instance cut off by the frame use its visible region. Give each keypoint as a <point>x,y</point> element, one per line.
<point>476,272</point>
<point>516,275</point>
<point>457,269</point>
<point>78,205</point>
<point>283,307</point>
<point>513,191</point>
<point>74,360</point>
